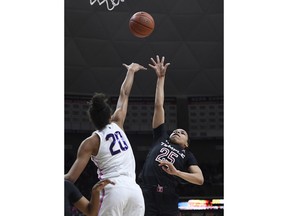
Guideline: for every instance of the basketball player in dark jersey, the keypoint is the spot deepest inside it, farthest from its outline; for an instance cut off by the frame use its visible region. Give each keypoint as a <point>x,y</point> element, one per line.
<point>73,197</point>
<point>169,160</point>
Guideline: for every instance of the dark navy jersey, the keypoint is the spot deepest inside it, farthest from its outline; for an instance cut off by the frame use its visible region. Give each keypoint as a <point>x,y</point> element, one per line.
<point>72,195</point>
<point>152,174</point>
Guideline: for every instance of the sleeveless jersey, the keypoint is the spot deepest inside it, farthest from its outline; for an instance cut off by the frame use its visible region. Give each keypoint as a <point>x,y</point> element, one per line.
<point>162,149</point>
<point>115,156</point>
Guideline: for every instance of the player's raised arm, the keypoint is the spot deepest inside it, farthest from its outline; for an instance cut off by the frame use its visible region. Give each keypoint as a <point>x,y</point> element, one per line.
<point>122,104</point>
<point>160,68</point>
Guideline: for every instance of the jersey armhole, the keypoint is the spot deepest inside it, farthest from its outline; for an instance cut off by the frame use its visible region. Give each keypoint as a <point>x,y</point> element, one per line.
<point>99,145</point>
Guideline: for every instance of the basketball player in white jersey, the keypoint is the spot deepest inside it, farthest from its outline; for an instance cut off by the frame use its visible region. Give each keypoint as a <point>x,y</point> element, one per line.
<point>110,150</point>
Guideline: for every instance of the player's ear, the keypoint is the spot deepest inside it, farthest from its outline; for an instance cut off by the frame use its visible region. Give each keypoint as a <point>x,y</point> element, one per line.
<point>188,142</point>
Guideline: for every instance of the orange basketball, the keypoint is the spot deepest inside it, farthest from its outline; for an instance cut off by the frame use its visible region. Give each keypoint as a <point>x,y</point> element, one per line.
<point>141,24</point>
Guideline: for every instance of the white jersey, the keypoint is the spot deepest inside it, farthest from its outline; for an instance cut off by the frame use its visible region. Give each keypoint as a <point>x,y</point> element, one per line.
<point>115,156</point>
<point>115,160</point>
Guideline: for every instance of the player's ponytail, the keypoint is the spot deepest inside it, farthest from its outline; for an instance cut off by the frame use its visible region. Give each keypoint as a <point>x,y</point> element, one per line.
<point>99,110</point>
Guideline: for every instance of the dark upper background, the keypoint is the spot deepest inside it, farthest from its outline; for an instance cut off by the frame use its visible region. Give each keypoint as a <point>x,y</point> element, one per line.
<point>189,33</point>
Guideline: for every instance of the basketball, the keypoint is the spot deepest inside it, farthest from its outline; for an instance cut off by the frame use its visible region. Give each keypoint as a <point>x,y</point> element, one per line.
<point>141,24</point>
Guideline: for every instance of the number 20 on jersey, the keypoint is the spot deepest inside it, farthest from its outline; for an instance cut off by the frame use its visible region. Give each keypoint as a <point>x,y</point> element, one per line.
<point>117,144</point>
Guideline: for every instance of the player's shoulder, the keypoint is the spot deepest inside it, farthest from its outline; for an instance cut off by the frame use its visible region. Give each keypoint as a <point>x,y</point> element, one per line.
<point>91,142</point>
<point>69,186</point>
<point>117,124</point>
<point>93,138</point>
<point>67,183</point>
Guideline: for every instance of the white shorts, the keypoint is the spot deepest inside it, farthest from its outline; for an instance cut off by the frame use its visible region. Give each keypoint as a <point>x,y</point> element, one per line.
<point>125,198</point>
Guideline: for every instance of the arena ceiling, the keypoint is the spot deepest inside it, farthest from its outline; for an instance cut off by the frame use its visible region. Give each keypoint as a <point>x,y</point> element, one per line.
<point>189,33</point>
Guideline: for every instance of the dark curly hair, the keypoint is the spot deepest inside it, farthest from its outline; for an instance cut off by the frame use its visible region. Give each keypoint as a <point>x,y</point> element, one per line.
<point>99,110</point>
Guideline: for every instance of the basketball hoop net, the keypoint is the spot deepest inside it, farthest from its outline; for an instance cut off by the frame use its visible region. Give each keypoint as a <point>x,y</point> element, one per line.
<point>111,4</point>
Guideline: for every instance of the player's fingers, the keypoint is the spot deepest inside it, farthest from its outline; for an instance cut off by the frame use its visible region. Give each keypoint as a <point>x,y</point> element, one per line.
<point>165,163</point>
<point>158,59</point>
<point>162,164</point>
<point>152,66</point>
<point>153,61</point>
<point>103,184</point>
<point>163,59</point>
<point>110,182</point>
<point>100,185</point>
<point>166,169</point>
<point>106,181</point>
<point>166,65</point>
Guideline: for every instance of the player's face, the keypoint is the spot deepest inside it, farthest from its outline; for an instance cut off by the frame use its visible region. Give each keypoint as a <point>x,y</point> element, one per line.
<point>180,137</point>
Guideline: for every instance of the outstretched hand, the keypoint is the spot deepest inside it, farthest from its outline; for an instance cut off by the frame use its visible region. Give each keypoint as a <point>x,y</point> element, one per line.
<point>101,184</point>
<point>159,66</point>
<point>134,67</point>
<point>168,167</point>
